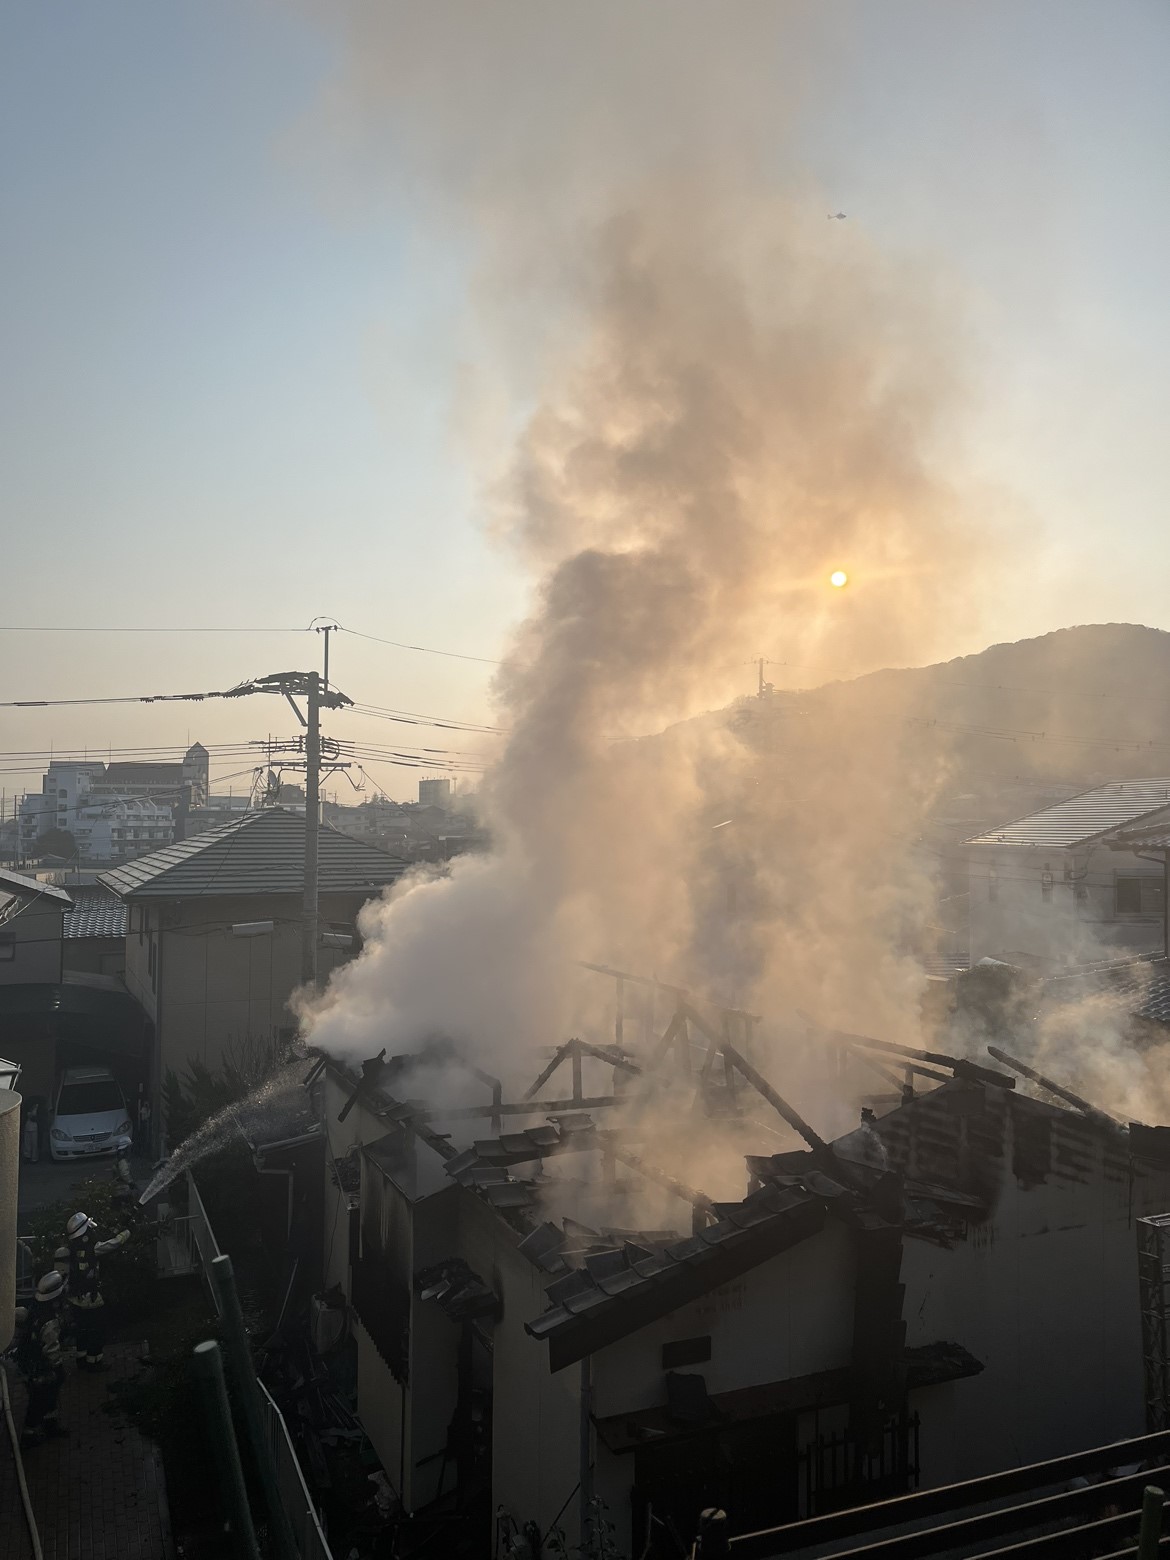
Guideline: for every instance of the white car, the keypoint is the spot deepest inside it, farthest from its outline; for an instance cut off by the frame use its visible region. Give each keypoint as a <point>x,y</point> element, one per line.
<point>90,1115</point>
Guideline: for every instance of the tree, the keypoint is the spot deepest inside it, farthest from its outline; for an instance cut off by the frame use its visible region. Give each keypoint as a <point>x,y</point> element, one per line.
<point>57,842</point>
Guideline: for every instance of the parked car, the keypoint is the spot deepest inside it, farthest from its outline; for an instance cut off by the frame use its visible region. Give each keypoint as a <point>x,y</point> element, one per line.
<point>89,1115</point>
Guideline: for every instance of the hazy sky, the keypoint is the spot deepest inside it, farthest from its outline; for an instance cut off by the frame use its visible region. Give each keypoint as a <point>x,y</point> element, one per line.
<point>232,364</point>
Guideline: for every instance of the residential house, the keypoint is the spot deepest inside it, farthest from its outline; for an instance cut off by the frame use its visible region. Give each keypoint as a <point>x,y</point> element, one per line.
<point>947,1291</point>
<point>55,1011</point>
<point>1051,889</point>
<point>31,915</point>
<point>213,945</point>
<point>94,932</point>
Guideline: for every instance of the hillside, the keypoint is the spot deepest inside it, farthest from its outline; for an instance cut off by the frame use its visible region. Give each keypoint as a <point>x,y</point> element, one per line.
<point>1064,711</point>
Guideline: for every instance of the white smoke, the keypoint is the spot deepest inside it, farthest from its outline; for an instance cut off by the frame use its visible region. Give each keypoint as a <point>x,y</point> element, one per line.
<point>721,398</point>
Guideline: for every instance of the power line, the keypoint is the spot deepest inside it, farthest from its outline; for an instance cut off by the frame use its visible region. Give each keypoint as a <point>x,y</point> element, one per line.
<point>117,628</point>
<point>454,655</point>
<point>414,718</point>
<point>121,628</point>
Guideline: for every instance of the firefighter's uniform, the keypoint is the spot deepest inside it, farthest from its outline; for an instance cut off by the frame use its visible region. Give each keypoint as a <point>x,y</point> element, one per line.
<point>86,1301</point>
<point>39,1357</point>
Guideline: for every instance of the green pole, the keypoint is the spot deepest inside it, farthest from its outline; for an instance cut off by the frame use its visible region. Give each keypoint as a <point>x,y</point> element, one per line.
<point>1152,1498</point>
<point>221,1432</point>
<point>244,1375</point>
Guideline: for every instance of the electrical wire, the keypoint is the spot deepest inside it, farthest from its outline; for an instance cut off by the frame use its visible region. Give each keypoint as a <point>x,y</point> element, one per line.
<point>119,628</point>
<point>455,655</point>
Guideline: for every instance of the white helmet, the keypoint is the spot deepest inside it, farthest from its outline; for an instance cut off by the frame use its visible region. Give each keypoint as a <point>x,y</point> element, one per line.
<point>78,1224</point>
<point>51,1284</point>
<point>61,1254</point>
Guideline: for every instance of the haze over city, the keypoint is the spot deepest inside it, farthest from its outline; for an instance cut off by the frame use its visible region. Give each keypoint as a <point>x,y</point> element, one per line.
<point>223,203</point>
<point>585,794</point>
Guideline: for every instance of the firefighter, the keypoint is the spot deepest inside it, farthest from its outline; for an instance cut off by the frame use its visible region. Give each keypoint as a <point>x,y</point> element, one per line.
<point>86,1301</point>
<point>39,1357</point>
<point>64,1318</point>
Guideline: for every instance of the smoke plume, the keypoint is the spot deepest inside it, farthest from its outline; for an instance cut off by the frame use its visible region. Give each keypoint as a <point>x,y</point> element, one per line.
<point>715,399</point>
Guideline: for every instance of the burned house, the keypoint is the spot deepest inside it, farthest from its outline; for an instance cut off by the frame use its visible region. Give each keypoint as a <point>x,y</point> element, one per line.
<point>946,1291</point>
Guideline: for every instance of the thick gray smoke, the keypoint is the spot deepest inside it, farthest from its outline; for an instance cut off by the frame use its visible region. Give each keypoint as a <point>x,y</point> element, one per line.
<point>721,398</point>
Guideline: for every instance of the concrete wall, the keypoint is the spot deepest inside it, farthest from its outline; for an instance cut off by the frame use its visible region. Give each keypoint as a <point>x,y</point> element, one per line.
<point>535,1415</point>
<point>36,951</point>
<point>1055,906</point>
<point>9,1177</point>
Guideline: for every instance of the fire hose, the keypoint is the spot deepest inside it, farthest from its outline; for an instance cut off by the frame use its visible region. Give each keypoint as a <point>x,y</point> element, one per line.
<point>33,1533</point>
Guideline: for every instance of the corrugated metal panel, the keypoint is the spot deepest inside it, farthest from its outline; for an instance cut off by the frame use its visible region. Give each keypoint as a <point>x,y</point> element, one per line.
<point>1084,817</point>
<point>259,854</point>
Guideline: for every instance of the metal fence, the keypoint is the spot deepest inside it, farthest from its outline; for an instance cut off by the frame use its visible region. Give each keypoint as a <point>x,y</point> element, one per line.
<point>294,1492</point>
<point>187,1243</point>
<point>195,1241</point>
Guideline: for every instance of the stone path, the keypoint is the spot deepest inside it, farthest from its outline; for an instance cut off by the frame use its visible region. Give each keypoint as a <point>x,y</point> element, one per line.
<point>98,1492</point>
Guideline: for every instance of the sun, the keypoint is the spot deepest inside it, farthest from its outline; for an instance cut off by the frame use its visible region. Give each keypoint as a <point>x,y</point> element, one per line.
<point>838,578</point>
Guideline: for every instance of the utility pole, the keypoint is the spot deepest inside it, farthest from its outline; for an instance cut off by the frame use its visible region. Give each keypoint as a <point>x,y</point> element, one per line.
<point>760,689</point>
<point>308,686</point>
<point>312,838</point>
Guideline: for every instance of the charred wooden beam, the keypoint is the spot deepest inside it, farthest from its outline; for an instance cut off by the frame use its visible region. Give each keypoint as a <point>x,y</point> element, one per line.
<point>515,1108</point>
<point>1053,1087</point>
<point>663,1178</point>
<point>546,1073</point>
<point>957,1065</point>
<point>777,1101</point>
<point>371,1071</point>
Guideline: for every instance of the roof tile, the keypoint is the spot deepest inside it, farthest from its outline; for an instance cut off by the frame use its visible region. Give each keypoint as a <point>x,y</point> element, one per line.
<point>260,853</point>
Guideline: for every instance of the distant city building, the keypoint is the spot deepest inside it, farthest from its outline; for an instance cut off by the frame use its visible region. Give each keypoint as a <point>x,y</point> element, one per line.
<point>116,830</point>
<point>159,782</point>
<point>114,811</point>
<point>434,793</point>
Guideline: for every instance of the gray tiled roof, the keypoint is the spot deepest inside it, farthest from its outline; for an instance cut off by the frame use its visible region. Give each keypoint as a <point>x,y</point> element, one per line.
<point>1085,817</point>
<point>1145,837</point>
<point>99,914</point>
<point>261,853</point>
<point>1141,987</point>
<point>622,1284</point>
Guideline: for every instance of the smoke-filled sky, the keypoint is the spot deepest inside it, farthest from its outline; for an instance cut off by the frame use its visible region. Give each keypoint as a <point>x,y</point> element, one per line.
<point>285,283</point>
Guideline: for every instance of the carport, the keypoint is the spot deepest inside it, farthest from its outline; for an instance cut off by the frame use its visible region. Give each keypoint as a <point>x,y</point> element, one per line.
<point>86,1020</point>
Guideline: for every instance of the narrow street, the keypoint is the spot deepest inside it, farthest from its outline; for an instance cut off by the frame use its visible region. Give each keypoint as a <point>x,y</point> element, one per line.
<point>98,1491</point>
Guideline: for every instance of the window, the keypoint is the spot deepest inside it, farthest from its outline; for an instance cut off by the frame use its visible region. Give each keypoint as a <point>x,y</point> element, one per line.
<point>686,1351</point>
<point>87,1099</point>
<point>1144,895</point>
